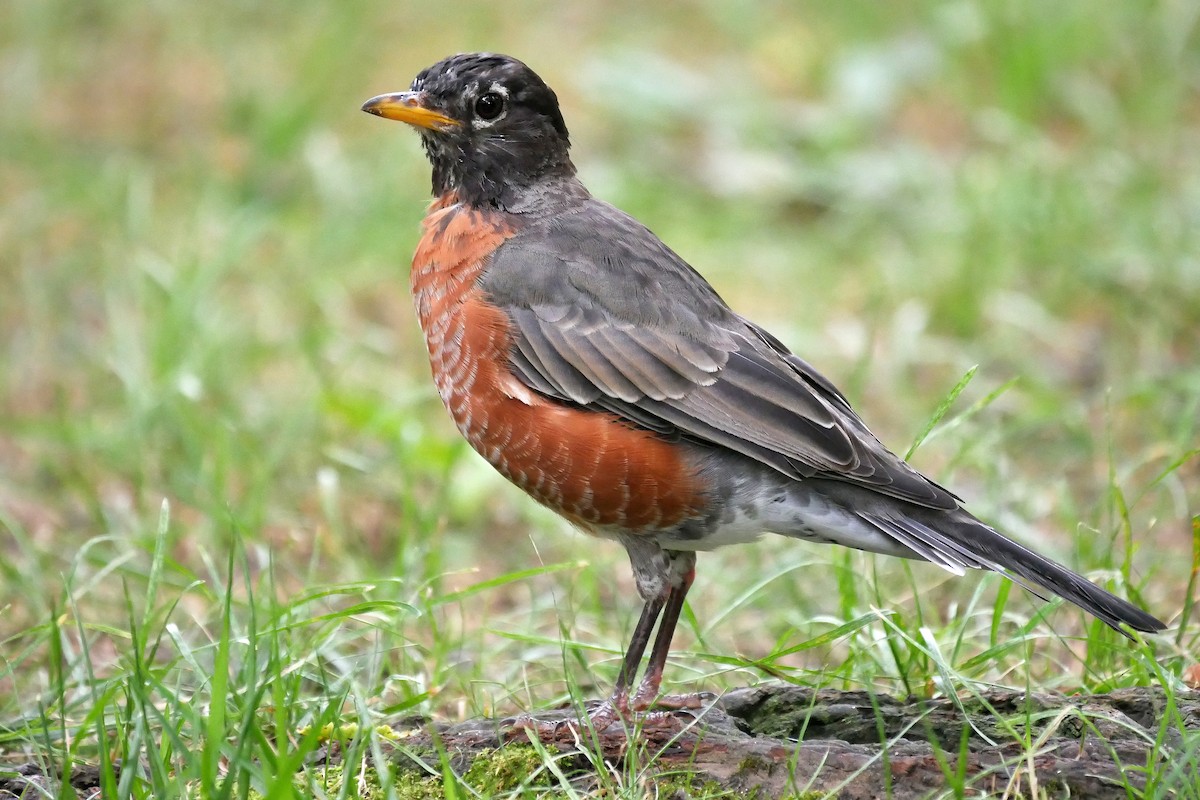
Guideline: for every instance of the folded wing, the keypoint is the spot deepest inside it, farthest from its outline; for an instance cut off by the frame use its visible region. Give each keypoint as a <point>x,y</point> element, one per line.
<point>654,344</point>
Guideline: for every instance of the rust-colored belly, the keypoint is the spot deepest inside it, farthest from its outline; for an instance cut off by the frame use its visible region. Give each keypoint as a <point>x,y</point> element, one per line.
<point>590,466</point>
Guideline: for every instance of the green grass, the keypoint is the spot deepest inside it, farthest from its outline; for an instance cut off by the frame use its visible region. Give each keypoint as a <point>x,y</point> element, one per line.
<point>233,510</point>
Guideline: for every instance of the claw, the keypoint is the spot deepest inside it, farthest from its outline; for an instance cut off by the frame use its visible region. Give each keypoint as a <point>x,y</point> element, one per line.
<point>674,702</point>
<point>598,719</point>
<point>610,717</point>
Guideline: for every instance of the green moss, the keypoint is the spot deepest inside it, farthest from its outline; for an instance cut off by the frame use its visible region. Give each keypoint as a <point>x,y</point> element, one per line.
<point>752,763</point>
<point>331,779</point>
<point>507,768</point>
<point>680,785</point>
<point>346,732</point>
<point>410,786</point>
<point>493,772</point>
<point>499,772</point>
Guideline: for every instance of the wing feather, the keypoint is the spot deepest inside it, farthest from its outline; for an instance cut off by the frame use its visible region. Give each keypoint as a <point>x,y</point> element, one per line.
<point>638,333</point>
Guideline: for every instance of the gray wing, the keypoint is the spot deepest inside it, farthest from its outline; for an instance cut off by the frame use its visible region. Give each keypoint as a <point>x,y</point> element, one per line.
<point>605,316</point>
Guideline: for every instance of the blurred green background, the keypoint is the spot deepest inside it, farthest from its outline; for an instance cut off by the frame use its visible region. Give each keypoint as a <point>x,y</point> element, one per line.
<point>204,249</point>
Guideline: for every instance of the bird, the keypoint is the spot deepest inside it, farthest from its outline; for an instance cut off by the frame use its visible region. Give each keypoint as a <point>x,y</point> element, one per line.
<point>599,372</point>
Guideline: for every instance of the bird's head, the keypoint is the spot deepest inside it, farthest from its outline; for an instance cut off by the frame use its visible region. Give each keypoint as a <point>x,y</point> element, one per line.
<point>491,127</point>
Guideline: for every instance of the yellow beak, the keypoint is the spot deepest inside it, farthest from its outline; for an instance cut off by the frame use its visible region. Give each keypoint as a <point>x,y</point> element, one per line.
<point>412,108</point>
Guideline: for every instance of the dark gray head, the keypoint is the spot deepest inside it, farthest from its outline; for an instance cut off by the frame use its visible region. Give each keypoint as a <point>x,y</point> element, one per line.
<point>491,127</point>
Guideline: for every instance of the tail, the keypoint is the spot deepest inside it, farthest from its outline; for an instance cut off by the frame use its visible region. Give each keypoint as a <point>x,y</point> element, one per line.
<point>956,540</point>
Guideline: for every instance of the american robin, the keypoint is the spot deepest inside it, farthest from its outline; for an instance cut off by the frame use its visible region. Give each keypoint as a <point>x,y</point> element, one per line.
<point>600,373</point>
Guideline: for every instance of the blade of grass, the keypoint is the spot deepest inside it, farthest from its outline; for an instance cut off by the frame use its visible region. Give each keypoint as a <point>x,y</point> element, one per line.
<point>941,411</point>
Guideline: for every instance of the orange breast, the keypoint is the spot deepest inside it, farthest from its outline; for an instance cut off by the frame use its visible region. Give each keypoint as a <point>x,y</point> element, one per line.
<point>589,466</point>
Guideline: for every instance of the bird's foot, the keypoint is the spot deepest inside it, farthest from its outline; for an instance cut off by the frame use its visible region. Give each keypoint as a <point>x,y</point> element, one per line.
<point>602,716</point>
<point>528,726</point>
<point>672,702</point>
<point>599,718</point>
<point>612,716</point>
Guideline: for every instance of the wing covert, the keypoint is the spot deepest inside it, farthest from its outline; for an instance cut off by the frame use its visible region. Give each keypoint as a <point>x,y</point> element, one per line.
<point>664,352</point>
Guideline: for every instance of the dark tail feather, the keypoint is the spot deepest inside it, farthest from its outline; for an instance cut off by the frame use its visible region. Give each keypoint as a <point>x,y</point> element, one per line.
<point>1005,555</point>
<point>957,539</point>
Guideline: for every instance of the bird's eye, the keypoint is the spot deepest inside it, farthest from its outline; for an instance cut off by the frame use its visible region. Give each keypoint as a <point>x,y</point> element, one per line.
<point>489,106</point>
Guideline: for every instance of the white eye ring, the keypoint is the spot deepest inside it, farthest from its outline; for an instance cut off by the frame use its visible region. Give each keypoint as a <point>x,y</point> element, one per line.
<point>495,93</point>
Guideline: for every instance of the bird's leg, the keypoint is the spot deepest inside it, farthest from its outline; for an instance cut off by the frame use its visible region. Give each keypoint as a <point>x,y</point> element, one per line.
<point>663,579</point>
<point>683,573</point>
<point>617,706</point>
<point>637,647</point>
<point>656,576</point>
